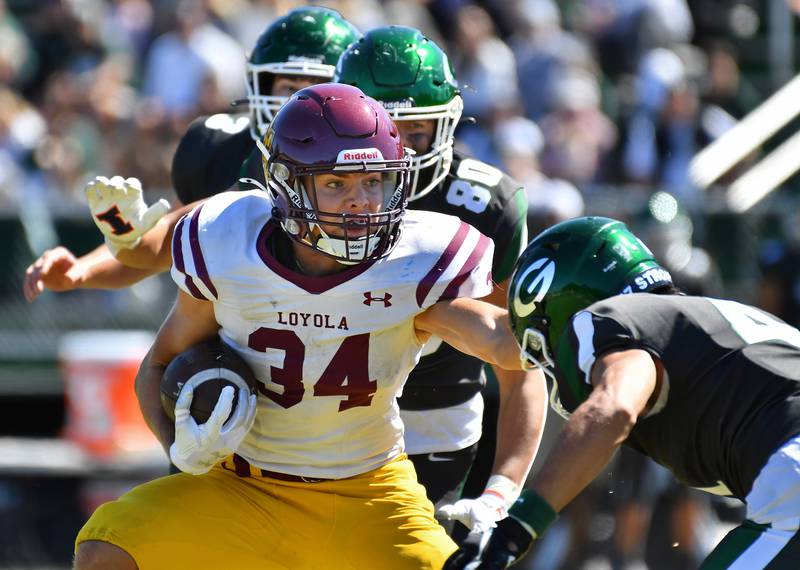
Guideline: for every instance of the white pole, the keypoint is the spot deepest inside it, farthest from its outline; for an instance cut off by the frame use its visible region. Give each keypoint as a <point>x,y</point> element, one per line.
<point>765,176</point>
<point>761,123</point>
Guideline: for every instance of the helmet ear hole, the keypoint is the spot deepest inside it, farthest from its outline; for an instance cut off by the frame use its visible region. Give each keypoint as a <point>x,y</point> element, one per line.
<point>292,226</point>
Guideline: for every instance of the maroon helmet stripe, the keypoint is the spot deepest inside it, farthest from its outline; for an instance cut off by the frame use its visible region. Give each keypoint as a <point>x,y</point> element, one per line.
<point>451,291</point>
<point>177,258</point>
<point>197,253</point>
<point>441,265</point>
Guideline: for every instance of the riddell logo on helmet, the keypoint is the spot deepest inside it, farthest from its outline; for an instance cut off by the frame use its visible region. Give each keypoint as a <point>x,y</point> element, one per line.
<point>305,58</point>
<point>403,104</point>
<point>359,155</point>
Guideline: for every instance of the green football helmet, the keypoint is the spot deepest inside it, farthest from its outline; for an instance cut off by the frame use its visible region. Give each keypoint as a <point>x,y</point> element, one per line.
<point>412,78</point>
<point>306,41</point>
<point>565,269</point>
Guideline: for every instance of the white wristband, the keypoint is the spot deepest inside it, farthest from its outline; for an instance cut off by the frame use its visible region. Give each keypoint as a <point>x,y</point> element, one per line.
<point>504,488</point>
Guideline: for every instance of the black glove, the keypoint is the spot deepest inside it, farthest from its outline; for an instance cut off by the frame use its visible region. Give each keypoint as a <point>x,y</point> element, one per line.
<point>504,545</point>
<point>509,542</point>
<point>468,552</point>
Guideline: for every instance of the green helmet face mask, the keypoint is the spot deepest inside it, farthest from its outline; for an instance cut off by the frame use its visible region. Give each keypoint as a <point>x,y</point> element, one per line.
<point>305,42</point>
<point>412,78</point>
<point>565,269</point>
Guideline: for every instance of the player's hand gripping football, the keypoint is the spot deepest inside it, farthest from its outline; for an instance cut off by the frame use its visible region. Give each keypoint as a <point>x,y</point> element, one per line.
<point>197,448</point>
<point>120,212</point>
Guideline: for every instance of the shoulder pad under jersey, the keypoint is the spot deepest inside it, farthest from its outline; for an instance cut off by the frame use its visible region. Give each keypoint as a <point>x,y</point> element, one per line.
<point>210,155</point>
<point>216,235</point>
<point>457,256</point>
<point>487,199</point>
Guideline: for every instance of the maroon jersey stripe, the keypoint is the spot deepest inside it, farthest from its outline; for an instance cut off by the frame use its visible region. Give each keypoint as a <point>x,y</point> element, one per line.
<point>451,291</point>
<point>441,264</point>
<point>177,257</point>
<point>197,253</point>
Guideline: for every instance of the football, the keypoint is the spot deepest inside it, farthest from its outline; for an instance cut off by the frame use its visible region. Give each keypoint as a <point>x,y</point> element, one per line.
<point>210,365</point>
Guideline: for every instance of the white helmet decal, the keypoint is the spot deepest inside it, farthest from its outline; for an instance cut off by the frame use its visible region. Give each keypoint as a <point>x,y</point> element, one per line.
<point>360,155</point>
<point>543,280</point>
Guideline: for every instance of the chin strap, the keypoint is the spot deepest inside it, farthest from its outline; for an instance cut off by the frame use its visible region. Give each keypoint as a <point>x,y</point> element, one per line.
<point>346,252</point>
<point>255,183</point>
<point>351,251</point>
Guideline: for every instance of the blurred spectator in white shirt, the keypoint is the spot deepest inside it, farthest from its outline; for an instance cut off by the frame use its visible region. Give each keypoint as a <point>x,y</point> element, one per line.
<point>484,65</point>
<point>174,72</point>
<point>519,141</point>
<point>544,51</point>
<point>578,135</point>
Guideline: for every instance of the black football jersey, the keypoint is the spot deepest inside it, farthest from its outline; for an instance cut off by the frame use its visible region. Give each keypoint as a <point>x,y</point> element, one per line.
<point>492,202</point>
<point>211,157</point>
<point>731,391</point>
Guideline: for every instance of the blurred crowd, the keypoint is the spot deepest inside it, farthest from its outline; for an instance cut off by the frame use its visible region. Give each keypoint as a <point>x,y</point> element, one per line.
<point>567,96</point>
<point>564,95</point>
<point>581,91</point>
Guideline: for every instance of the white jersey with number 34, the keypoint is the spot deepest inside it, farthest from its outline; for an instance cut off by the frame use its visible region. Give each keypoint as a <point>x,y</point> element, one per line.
<point>331,353</point>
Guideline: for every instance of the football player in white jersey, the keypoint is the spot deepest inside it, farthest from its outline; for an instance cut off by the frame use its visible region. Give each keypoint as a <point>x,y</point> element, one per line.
<point>216,152</point>
<point>328,288</point>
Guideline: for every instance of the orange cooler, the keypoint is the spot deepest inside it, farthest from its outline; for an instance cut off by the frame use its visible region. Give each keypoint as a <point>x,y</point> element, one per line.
<point>99,369</point>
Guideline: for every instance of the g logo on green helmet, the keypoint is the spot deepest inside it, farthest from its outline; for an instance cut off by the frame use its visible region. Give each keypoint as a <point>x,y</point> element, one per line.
<point>542,281</point>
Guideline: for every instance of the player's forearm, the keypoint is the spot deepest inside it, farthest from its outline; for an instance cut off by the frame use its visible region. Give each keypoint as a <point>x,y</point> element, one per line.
<point>473,327</point>
<point>103,271</point>
<point>583,449</point>
<point>154,251</point>
<point>148,387</point>
<point>98,254</point>
<point>503,351</point>
<point>520,423</point>
<point>189,322</point>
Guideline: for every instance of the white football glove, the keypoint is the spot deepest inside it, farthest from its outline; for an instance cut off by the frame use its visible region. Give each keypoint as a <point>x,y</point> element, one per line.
<point>197,448</point>
<point>120,212</point>
<point>481,514</point>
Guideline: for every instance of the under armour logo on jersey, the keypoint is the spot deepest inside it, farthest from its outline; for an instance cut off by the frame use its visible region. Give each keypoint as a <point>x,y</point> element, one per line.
<point>368,299</point>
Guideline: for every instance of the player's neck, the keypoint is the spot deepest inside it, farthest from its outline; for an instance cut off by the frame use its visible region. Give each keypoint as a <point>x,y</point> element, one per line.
<point>311,262</point>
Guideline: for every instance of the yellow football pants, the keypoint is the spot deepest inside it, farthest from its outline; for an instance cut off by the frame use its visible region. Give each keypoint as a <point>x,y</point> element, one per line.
<point>377,520</point>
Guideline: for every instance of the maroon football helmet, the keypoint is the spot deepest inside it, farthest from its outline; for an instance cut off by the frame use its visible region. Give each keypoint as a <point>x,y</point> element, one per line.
<point>332,128</point>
